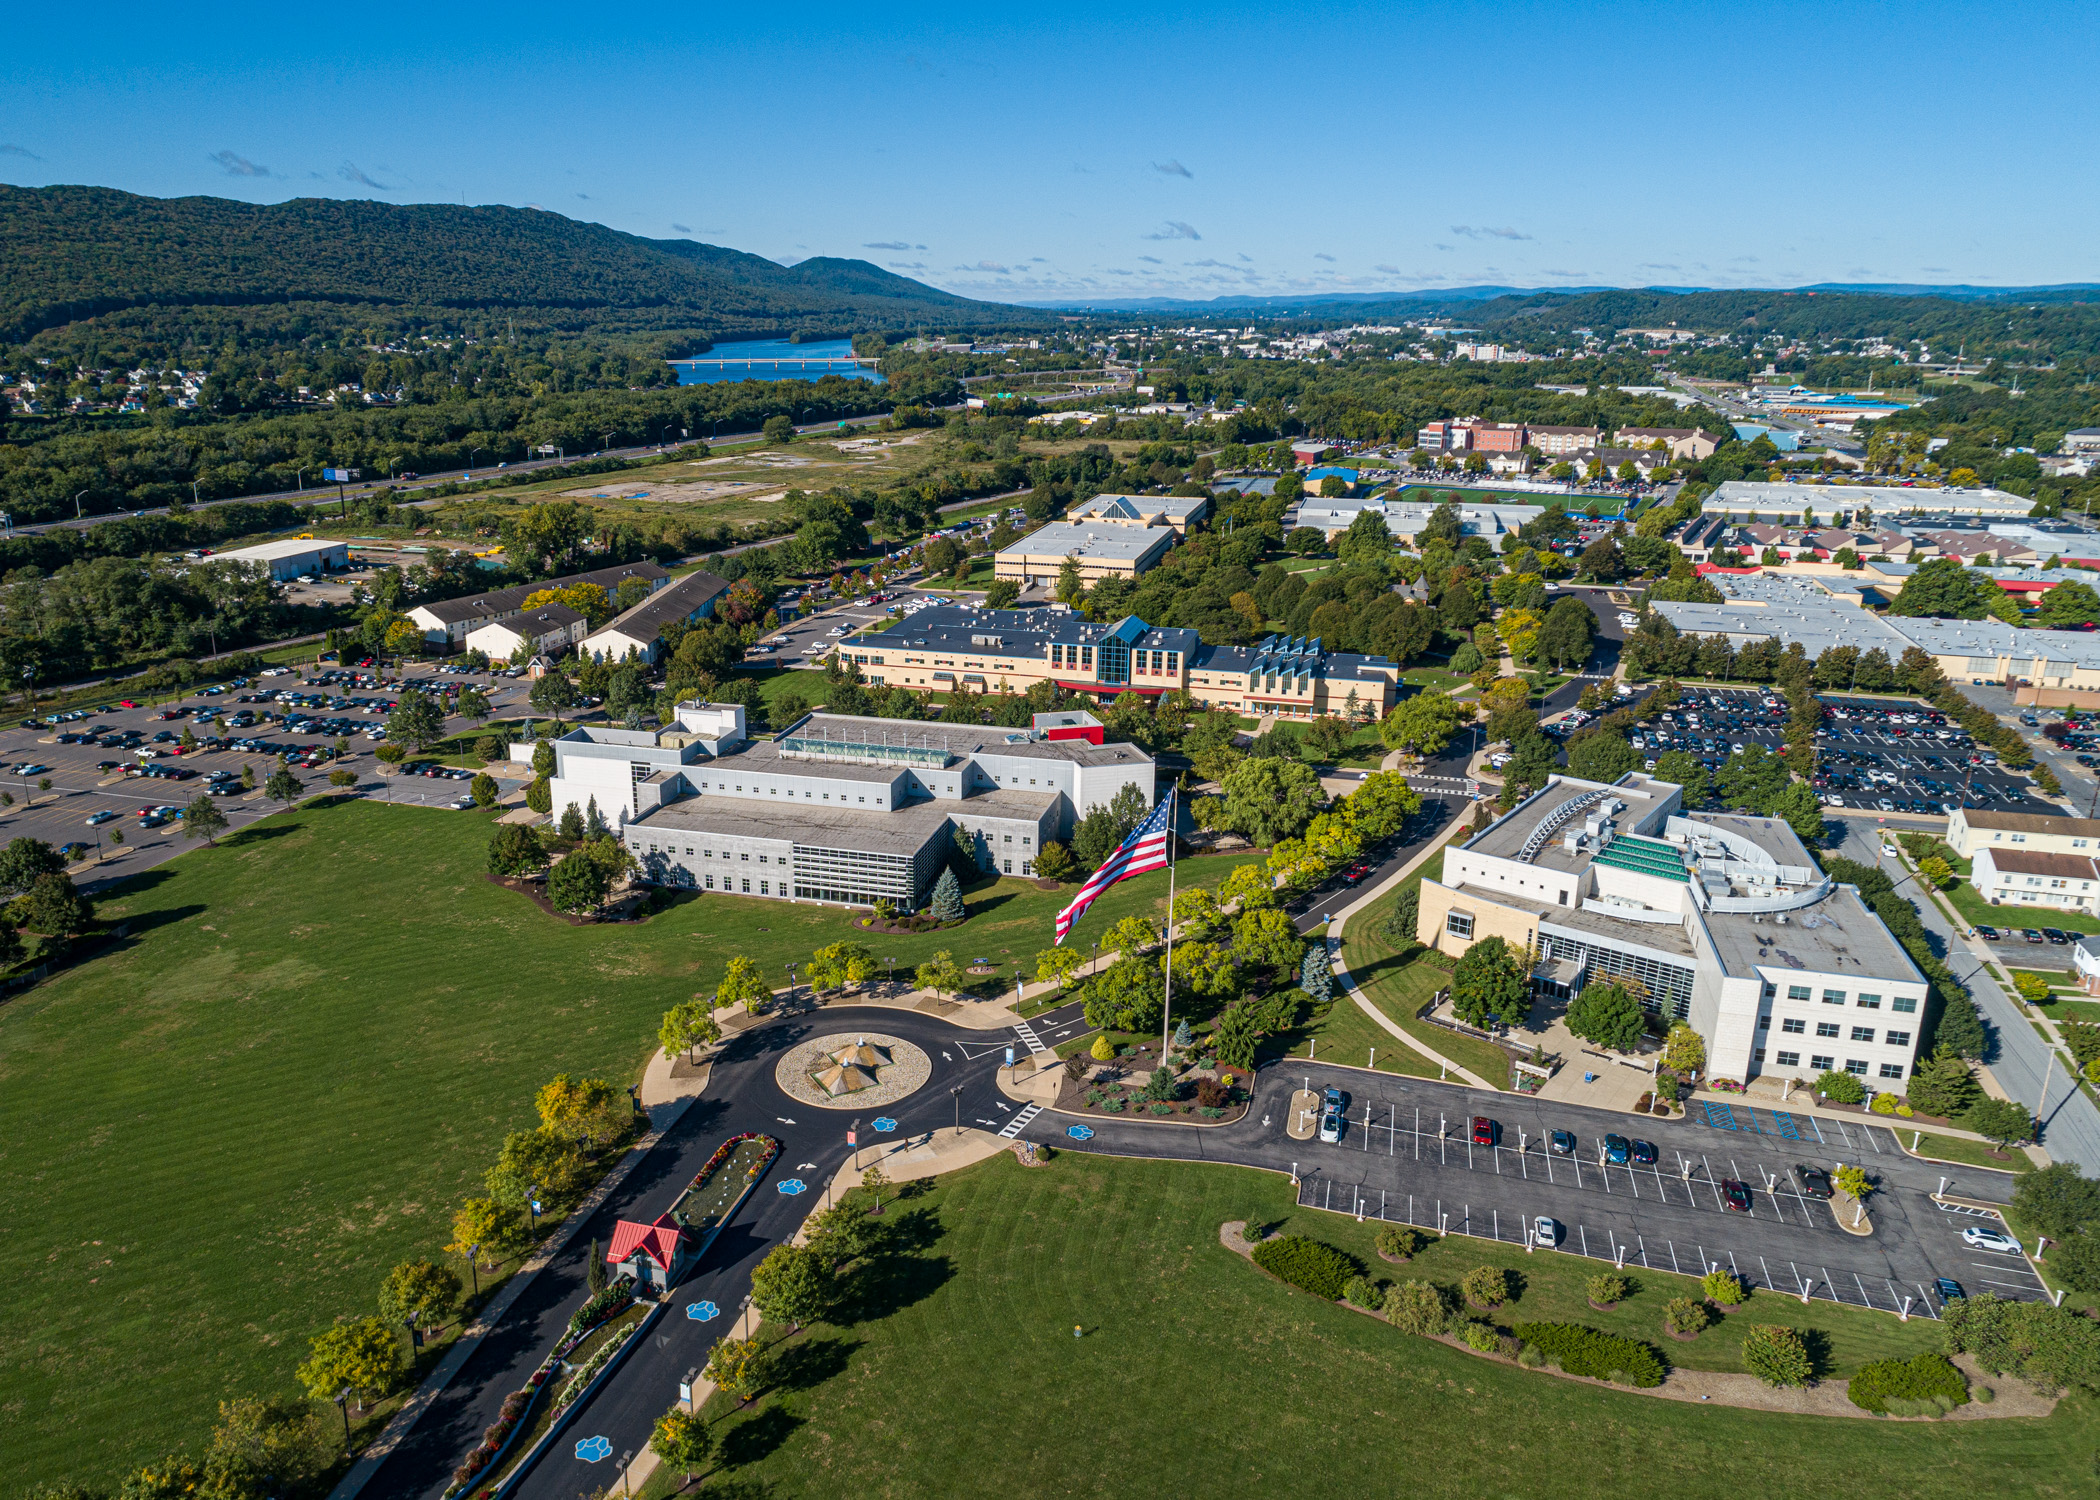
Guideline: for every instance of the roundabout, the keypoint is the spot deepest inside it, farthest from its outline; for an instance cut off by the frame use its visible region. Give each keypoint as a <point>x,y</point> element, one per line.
<point>852,1070</point>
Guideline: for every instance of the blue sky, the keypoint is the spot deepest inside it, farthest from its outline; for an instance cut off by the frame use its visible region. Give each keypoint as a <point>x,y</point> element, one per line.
<point>1093,151</point>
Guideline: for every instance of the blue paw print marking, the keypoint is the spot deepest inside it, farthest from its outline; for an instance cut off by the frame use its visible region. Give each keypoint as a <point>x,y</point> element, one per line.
<point>594,1449</point>
<point>702,1312</point>
<point>884,1124</point>
<point>793,1186</point>
<point>1080,1132</point>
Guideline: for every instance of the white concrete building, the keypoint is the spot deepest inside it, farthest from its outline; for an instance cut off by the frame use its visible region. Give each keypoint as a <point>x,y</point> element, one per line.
<point>837,809</point>
<point>549,631</point>
<point>294,558</point>
<point>640,630</point>
<point>1724,920</point>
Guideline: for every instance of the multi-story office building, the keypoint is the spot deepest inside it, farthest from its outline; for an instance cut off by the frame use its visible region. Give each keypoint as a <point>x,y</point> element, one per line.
<point>837,809</point>
<point>1723,920</point>
<point>1100,549</point>
<point>958,649</point>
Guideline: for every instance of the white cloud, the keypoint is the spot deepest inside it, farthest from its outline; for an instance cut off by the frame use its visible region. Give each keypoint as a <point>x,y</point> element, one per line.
<point>1175,230</point>
<point>1172,169</point>
<point>1322,255</point>
<point>350,172</point>
<point>1472,233</point>
<point>891,245</point>
<point>240,166</point>
<point>8,148</point>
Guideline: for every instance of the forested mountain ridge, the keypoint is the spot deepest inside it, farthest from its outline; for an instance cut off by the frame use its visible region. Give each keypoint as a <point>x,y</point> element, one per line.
<point>68,253</point>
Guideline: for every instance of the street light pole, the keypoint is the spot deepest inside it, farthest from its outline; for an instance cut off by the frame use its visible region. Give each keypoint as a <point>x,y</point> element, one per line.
<point>956,1094</point>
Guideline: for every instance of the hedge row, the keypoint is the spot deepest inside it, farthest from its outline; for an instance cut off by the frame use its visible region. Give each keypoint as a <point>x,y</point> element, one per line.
<point>1307,1264</point>
<point>1585,1351</point>
<point>1927,1377</point>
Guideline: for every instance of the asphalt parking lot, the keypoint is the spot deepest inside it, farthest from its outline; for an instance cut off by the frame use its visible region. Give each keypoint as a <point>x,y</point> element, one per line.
<point>103,777</point>
<point>1407,1156</point>
<point>1876,755</point>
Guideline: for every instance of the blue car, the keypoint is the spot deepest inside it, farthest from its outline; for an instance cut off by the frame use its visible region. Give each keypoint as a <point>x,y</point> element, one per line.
<point>1616,1149</point>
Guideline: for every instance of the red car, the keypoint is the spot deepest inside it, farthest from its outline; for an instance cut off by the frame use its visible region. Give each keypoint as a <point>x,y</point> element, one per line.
<point>126,703</point>
<point>1736,1195</point>
<point>1485,1131</point>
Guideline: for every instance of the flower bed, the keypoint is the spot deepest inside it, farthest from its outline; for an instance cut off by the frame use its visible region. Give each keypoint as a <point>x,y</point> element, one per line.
<point>706,1202</point>
<point>601,1306</point>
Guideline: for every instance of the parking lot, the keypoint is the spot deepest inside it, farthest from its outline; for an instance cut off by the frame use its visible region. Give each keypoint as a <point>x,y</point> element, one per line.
<point>1407,1155</point>
<point>129,770</point>
<point>1874,754</point>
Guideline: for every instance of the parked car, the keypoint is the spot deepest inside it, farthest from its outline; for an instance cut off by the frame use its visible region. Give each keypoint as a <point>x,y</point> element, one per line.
<point>1562,1142</point>
<point>1948,1288</point>
<point>1987,933</point>
<point>1644,1153</point>
<point>2055,935</point>
<point>1331,1116</point>
<point>97,819</point>
<point>1735,1194</point>
<point>1485,1131</point>
<point>2031,935</point>
<point>1546,1230</point>
<point>1815,1182</point>
<point>1616,1149</point>
<point>1976,1237</point>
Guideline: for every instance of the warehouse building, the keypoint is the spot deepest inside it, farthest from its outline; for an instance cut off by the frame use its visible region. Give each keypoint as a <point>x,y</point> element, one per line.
<point>1107,550</point>
<point>837,809</point>
<point>1723,920</point>
<point>290,559</point>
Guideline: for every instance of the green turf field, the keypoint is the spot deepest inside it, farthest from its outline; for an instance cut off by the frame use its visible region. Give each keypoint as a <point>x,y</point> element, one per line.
<point>958,1373</point>
<point>222,1133</point>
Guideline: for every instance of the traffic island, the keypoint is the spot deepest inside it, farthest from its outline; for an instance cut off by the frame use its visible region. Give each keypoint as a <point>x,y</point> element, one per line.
<point>1851,1213</point>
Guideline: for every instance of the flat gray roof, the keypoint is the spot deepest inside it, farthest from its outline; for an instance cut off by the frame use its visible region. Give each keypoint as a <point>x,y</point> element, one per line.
<point>1124,544</point>
<point>967,740</point>
<point>902,831</point>
<point>1838,935</point>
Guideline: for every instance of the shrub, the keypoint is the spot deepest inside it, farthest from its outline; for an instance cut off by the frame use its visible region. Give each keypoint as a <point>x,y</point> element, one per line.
<point>1841,1087</point>
<point>1607,1289</point>
<point>1487,1286</point>
<point>1103,1049</point>
<point>1401,1242</point>
<point>1361,1291</point>
<point>1482,1338</point>
<point>1724,1287</point>
<point>1530,1358</point>
<point>1928,1378</point>
<point>1884,1104</point>
<point>1416,1307</point>
<point>1307,1264</point>
<point>1686,1315</point>
<point>1775,1354</point>
<point>1211,1094</point>
<point>1604,1356</point>
<point>2032,987</point>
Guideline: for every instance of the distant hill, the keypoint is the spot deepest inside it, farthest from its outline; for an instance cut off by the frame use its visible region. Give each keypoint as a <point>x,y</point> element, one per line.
<point>68,253</point>
<point>1423,299</point>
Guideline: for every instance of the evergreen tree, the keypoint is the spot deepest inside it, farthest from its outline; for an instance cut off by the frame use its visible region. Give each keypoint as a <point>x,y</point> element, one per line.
<point>947,898</point>
<point>594,825</point>
<point>1315,977</point>
<point>571,825</point>
<point>594,1270</point>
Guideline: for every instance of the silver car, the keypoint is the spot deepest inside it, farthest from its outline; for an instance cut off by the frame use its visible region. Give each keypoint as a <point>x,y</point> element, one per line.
<point>1976,1237</point>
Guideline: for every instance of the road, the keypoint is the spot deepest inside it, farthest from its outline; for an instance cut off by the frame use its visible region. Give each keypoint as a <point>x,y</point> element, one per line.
<point>2022,1059</point>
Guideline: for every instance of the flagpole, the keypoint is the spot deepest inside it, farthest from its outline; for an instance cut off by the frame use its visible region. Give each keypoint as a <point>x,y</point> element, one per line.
<point>1166,1018</point>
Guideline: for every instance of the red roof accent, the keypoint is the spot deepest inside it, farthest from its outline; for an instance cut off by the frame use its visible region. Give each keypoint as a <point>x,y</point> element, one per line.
<point>1707,567</point>
<point>658,1241</point>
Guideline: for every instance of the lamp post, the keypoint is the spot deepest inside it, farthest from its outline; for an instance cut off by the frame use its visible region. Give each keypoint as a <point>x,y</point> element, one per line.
<point>956,1094</point>
<point>892,962</point>
<point>791,982</point>
<point>76,504</point>
<point>473,1254</point>
<point>533,1202</point>
<point>342,1404</point>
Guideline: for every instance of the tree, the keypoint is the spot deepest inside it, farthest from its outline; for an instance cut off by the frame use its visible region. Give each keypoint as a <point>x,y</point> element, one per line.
<point>588,1110</point>
<point>420,1287</point>
<point>1054,862</point>
<point>1608,1014</point>
<point>2001,1120</point>
<point>576,885</point>
<point>779,429</point>
<point>362,1355</point>
<point>1268,939</point>
<point>1315,977</point>
<point>1058,965</point>
<point>793,1284</point>
<point>1684,1050</point>
<point>687,1025</point>
<point>743,983</point>
<point>515,850</point>
<point>1422,724</point>
<point>1960,1027</point>
<point>2058,1200</point>
<point>946,904</point>
<point>259,1449</point>
<point>1724,1287</point>
<point>1843,1088</point>
<point>1777,1355</point>
<point>1366,542</point>
<point>55,908</point>
<point>1271,799</point>
<point>1943,1085</point>
<point>839,965</point>
<point>1490,985</point>
<point>1604,756</point>
<point>483,786</point>
<point>201,819</point>
<point>1128,995</point>
<point>552,694</point>
<point>545,1159</point>
<point>1564,640</point>
<point>283,787</point>
<point>683,1440</point>
<point>738,1366</point>
<point>344,780</point>
<point>940,973</point>
<point>23,861</point>
<point>416,721</point>
<point>1001,593</point>
<point>474,704</point>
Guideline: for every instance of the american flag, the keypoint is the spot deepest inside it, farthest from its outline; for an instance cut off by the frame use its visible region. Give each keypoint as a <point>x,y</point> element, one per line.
<point>1145,849</point>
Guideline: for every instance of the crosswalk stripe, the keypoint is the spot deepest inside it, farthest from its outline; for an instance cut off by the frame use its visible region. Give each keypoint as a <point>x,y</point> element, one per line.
<point>1015,1125</point>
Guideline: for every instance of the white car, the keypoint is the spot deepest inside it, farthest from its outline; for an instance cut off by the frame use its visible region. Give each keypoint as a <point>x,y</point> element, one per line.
<point>1976,1237</point>
<point>1889,850</point>
<point>1546,1230</point>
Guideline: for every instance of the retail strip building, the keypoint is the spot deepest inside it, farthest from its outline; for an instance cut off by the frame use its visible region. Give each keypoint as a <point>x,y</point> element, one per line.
<point>1723,919</point>
<point>837,809</point>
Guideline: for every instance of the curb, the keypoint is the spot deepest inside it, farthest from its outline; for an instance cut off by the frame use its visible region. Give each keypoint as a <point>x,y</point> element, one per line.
<point>583,1397</point>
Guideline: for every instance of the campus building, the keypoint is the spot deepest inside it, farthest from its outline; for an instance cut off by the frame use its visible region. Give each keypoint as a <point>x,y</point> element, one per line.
<point>686,601</point>
<point>1971,831</point>
<point>1332,515</point>
<point>1105,549</point>
<point>960,649</point>
<point>1723,919</point>
<point>448,622</point>
<point>1178,512</point>
<point>1756,497</point>
<point>836,809</point>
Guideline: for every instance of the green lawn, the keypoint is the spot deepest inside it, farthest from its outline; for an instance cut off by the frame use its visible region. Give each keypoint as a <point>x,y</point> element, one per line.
<point>1196,1371</point>
<point>1975,909</point>
<point>223,1132</point>
<point>1959,1149</point>
<point>1340,1032</point>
